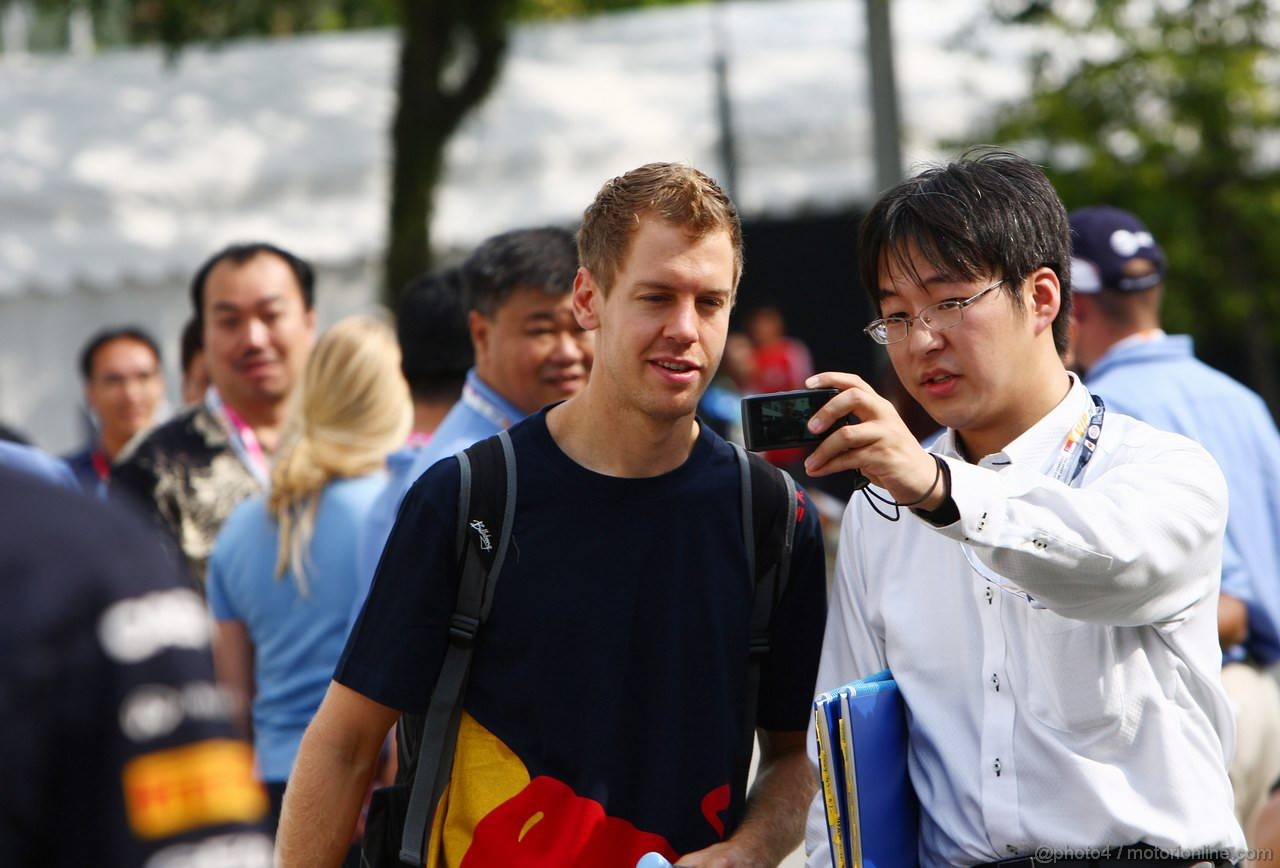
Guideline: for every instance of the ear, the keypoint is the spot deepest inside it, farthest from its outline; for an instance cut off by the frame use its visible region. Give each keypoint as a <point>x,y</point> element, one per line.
<point>1044,298</point>
<point>479,326</point>
<point>587,299</point>
<point>309,322</point>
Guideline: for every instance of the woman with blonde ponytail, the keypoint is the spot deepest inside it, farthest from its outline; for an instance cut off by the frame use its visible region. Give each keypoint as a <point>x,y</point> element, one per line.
<point>282,577</point>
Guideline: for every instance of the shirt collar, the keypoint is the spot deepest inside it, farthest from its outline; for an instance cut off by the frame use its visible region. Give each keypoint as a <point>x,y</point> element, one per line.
<point>1039,444</point>
<point>501,405</point>
<point>1139,338</point>
<point>1159,348</point>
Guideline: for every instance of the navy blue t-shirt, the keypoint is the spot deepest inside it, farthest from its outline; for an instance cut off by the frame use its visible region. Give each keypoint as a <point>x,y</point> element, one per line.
<point>613,666</point>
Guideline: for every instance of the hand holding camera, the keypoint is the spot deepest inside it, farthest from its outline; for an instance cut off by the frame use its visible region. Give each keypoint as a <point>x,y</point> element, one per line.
<point>879,445</point>
<point>780,420</point>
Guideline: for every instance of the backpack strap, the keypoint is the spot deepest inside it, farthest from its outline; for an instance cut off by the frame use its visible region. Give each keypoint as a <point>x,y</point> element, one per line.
<point>486,505</point>
<point>768,528</point>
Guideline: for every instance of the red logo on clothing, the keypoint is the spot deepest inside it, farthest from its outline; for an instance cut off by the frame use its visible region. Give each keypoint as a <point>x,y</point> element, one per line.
<point>549,826</point>
<point>714,804</point>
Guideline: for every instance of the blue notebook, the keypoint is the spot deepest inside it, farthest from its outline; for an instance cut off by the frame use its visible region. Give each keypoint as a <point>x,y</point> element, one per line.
<point>873,816</point>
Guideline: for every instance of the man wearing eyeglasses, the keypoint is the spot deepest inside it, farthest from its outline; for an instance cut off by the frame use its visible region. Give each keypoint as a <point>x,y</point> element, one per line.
<point>1048,605</point>
<point>123,390</point>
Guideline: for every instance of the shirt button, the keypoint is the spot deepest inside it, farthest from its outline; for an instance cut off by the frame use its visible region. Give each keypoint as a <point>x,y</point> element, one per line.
<point>996,766</point>
<point>995,682</point>
<point>990,595</point>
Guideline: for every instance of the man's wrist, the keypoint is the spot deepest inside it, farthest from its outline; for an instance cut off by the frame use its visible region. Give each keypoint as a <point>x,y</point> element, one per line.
<point>939,508</point>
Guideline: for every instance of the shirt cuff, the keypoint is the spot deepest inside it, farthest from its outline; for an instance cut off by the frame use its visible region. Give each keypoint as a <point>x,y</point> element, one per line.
<point>947,513</point>
<point>976,496</point>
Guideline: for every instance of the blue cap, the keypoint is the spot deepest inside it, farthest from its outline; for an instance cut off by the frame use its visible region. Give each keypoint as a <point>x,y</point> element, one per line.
<point>1104,240</point>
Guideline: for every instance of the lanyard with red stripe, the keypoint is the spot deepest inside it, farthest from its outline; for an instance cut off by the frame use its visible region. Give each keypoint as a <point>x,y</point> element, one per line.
<point>244,442</point>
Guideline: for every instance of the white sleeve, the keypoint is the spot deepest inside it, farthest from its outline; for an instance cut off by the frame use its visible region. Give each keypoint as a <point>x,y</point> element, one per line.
<point>1139,544</point>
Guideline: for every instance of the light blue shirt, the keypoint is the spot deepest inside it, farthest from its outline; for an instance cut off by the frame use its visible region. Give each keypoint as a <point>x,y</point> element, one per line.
<point>33,462</point>
<point>1162,383</point>
<point>297,639</point>
<point>480,413</point>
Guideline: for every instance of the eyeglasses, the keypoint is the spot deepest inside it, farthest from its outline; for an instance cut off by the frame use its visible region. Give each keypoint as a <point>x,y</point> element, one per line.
<point>935,317</point>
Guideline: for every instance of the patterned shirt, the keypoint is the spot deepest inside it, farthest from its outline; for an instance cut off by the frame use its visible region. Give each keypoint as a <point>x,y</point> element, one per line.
<point>187,475</point>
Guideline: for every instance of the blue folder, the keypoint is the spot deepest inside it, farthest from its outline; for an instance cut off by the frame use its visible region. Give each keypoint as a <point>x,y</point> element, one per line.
<point>873,816</point>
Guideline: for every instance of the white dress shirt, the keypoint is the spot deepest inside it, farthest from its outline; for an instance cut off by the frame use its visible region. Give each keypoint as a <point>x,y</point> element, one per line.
<point>1056,647</point>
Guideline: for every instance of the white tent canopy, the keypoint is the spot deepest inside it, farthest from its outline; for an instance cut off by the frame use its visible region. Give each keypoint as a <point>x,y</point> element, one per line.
<point>119,173</point>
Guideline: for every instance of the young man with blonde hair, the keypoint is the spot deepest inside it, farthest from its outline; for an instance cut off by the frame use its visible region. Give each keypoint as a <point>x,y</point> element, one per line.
<point>606,699</point>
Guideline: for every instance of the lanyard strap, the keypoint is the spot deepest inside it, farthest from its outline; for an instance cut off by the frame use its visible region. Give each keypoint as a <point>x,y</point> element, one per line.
<point>101,466</point>
<point>485,407</point>
<point>1081,442</point>
<point>244,443</point>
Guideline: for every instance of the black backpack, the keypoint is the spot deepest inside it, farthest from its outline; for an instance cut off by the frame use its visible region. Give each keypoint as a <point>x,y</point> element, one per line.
<point>399,815</point>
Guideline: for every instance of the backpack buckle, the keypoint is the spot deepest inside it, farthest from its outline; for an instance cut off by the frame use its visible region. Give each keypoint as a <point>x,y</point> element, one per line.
<point>462,629</point>
<point>759,646</point>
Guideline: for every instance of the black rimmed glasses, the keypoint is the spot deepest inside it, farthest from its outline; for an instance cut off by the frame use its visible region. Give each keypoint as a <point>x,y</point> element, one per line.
<point>935,317</point>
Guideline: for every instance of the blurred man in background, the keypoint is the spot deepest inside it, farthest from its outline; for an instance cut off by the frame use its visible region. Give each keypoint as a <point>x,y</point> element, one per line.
<point>436,353</point>
<point>529,352</point>
<point>1128,361</point>
<point>254,303</point>
<point>780,362</point>
<point>435,347</point>
<point>123,389</point>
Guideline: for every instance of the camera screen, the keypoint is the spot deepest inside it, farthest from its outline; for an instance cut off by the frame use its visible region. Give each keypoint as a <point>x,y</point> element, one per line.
<point>784,420</point>
<point>780,420</point>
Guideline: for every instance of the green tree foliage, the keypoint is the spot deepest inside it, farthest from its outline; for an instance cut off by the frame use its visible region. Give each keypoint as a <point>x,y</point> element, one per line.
<point>1169,108</point>
<point>175,23</point>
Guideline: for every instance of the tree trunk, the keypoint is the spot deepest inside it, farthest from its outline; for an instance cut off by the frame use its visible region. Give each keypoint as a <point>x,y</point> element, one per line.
<point>417,155</point>
<point>450,54</point>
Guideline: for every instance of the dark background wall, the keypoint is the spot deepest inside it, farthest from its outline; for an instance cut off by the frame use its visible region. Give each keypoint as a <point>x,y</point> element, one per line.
<point>805,267</point>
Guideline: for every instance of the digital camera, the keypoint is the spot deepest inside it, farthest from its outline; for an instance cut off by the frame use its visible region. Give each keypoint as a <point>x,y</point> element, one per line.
<point>780,420</point>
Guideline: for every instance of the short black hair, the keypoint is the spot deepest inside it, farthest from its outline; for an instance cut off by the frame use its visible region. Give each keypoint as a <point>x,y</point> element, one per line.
<point>990,213</point>
<point>435,343</point>
<point>192,342</point>
<point>106,336</point>
<point>545,259</point>
<point>242,253</point>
